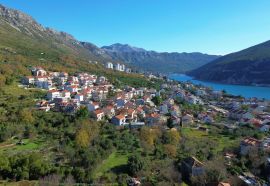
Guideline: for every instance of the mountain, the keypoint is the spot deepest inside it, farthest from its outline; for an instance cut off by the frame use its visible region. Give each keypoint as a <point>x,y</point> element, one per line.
<point>249,66</point>
<point>20,33</point>
<point>157,62</point>
<point>25,43</point>
<point>23,37</point>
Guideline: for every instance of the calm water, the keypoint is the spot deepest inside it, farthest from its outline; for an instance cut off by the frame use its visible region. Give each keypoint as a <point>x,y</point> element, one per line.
<point>246,91</point>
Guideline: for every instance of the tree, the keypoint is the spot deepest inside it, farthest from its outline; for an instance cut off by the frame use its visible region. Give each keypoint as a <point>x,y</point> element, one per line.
<point>26,116</point>
<point>170,150</point>
<point>86,132</point>
<point>82,113</point>
<point>170,123</point>
<point>4,167</point>
<point>171,137</point>
<point>135,164</point>
<point>157,100</point>
<point>82,138</point>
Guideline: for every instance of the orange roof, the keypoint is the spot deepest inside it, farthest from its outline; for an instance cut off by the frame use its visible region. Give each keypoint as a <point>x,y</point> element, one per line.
<point>154,115</point>
<point>74,86</point>
<point>251,141</point>
<point>223,184</point>
<point>120,116</point>
<point>130,111</point>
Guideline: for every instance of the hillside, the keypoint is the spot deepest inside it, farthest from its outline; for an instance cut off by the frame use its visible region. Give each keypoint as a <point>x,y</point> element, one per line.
<point>25,43</point>
<point>157,62</point>
<point>249,66</point>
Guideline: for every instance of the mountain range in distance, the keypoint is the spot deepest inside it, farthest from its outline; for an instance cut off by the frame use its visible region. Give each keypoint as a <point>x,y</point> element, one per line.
<point>21,35</point>
<point>32,38</point>
<point>157,61</point>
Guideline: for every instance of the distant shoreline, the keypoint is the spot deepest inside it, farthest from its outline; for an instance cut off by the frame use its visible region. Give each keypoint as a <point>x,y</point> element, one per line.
<point>193,78</point>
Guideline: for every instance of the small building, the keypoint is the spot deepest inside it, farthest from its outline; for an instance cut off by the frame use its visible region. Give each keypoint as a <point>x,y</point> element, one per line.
<point>28,80</point>
<point>53,94</point>
<point>247,144</point>
<point>187,119</point>
<point>92,106</point>
<point>119,120</point>
<point>98,114</point>
<point>191,166</point>
<point>79,97</point>
<point>109,65</point>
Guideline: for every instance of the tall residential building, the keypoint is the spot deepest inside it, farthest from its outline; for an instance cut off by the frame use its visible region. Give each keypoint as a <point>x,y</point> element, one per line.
<point>109,65</point>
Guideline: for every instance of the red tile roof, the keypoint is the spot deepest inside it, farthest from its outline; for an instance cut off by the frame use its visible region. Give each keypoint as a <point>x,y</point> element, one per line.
<point>120,117</point>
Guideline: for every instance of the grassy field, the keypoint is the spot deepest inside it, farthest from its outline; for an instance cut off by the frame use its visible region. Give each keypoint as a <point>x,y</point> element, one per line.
<point>113,163</point>
<point>222,141</point>
<point>11,146</point>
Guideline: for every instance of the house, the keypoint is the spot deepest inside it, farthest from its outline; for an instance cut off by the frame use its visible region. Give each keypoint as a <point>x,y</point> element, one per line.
<point>121,102</point>
<point>152,119</point>
<point>47,85</point>
<point>98,114</point>
<point>191,166</point>
<point>53,94</point>
<point>187,119</point>
<point>140,112</point>
<point>79,97</point>
<point>109,111</point>
<point>163,109</point>
<point>92,106</point>
<point>175,120</point>
<point>208,119</point>
<point>28,80</point>
<point>72,88</point>
<point>247,144</point>
<point>39,71</point>
<point>264,128</point>
<point>66,94</point>
<point>248,179</point>
<point>131,114</point>
<point>109,65</point>
<point>120,67</point>
<point>119,120</point>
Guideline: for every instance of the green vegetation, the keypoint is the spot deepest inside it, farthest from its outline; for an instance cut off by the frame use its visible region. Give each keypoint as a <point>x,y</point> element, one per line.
<point>249,66</point>
<point>116,159</point>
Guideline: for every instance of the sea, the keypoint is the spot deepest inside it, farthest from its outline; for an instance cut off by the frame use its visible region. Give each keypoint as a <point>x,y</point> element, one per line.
<point>243,90</point>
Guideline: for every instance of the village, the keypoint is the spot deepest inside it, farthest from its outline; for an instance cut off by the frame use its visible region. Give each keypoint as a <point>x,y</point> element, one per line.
<point>174,105</point>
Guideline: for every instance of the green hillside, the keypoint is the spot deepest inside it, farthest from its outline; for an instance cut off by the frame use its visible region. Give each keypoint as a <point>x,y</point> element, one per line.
<point>249,66</point>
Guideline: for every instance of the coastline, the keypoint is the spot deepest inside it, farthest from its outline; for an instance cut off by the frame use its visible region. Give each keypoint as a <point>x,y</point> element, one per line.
<point>247,91</point>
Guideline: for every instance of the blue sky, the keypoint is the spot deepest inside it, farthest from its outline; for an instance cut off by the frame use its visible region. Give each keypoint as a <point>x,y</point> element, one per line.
<point>208,26</point>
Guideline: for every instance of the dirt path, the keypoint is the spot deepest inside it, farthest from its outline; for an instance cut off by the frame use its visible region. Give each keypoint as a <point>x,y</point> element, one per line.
<point>8,145</point>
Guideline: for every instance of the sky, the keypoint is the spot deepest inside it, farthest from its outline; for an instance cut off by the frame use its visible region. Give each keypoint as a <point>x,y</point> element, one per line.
<point>208,26</point>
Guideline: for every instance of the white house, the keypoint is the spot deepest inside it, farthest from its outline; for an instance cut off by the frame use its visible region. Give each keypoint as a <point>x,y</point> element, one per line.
<point>65,94</point>
<point>39,71</point>
<point>72,88</point>
<point>109,65</point>
<point>79,97</point>
<point>53,94</point>
<point>98,114</point>
<point>120,67</point>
